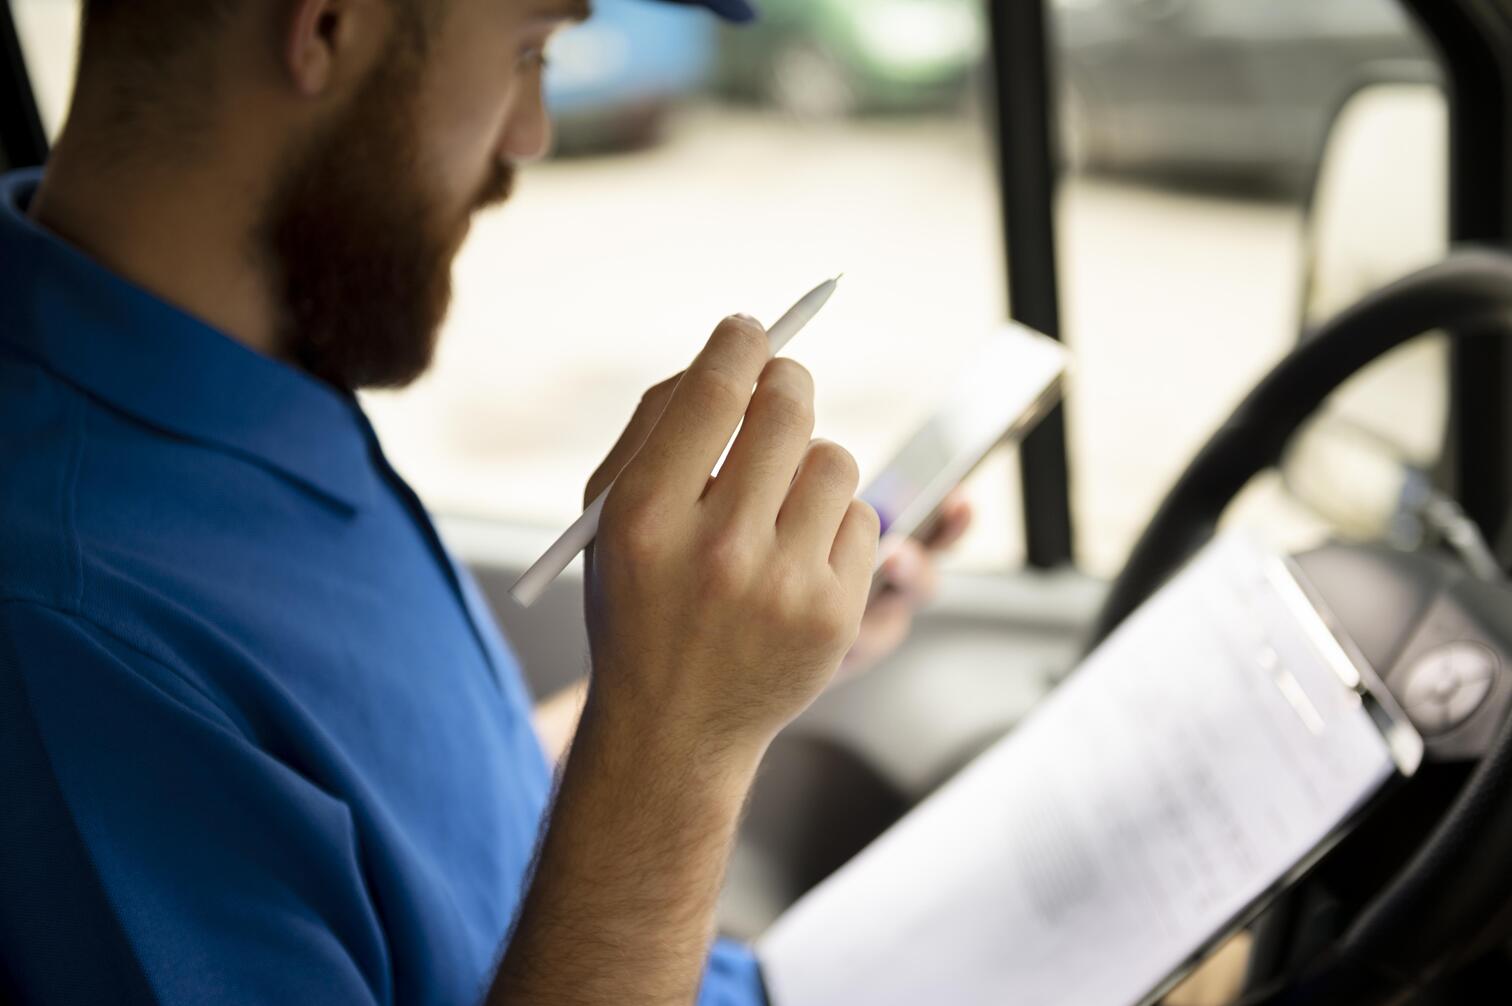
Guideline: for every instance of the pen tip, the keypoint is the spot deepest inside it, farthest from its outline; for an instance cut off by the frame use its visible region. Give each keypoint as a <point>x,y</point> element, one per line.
<point>838,278</point>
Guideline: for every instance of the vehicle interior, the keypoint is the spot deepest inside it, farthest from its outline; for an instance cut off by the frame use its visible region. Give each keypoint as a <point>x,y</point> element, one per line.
<point>1274,238</point>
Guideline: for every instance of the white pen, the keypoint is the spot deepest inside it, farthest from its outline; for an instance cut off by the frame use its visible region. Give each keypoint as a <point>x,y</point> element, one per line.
<point>534,581</point>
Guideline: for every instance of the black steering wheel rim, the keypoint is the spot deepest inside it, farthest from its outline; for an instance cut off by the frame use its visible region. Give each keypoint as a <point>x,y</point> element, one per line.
<point>1470,292</point>
<point>1385,948</point>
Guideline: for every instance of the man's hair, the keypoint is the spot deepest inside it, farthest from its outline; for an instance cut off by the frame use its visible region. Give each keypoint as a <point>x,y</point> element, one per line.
<point>148,64</point>
<point>145,44</point>
<point>148,68</point>
<point>142,34</point>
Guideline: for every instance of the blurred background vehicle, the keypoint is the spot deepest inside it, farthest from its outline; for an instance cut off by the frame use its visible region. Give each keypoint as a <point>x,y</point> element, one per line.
<point>1231,90</point>
<point>614,79</point>
<point>830,58</point>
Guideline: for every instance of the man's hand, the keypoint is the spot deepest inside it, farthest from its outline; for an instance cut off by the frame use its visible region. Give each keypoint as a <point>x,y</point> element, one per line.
<point>910,581</point>
<point>909,574</point>
<point>735,597</point>
<point>717,609</point>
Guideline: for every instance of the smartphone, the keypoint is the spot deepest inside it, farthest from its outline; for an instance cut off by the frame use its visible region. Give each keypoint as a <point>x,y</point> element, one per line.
<point>1009,383</point>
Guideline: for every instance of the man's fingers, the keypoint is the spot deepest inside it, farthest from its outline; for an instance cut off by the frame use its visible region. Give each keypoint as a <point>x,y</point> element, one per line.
<point>884,626</point>
<point>854,553</point>
<point>817,500</point>
<point>911,573</point>
<point>647,412</point>
<point>954,519</point>
<point>702,412</point>
<point>772,441</point>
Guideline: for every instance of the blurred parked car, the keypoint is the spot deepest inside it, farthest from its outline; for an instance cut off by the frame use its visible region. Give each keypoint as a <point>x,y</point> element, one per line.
<point>1238,89</point>
<point>612,79</point>
<point>830,58</point>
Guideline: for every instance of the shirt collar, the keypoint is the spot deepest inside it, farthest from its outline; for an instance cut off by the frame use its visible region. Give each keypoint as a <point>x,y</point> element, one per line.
<point>157,363</point>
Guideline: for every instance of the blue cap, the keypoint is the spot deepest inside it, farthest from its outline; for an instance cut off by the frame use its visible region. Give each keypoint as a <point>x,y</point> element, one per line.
<point>730,10</point>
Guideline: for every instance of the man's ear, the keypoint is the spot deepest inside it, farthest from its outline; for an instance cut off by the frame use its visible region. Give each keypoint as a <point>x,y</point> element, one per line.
<point>329,41</point>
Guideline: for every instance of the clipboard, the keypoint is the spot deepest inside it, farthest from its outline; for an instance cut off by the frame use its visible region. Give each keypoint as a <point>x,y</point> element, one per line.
<point>1197,764</point>
<point>1355,673</point>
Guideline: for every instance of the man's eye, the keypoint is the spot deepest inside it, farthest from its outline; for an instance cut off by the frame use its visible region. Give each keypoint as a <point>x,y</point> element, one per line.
<point>533,58</point>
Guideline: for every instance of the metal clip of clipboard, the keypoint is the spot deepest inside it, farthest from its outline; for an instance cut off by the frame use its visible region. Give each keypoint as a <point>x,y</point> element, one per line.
<point>1355,673</point>
<point>1346,660</point>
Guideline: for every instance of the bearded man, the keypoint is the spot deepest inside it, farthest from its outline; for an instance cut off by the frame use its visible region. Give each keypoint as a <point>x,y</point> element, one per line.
<point>261,740</point>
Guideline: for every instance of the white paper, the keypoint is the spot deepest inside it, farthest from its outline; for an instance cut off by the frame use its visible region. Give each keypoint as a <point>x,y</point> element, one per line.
<point>1198,757</point>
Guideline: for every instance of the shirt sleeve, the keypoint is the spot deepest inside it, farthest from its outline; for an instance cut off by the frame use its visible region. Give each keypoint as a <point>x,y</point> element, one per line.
<point>160,844</point>
<point>733,977</point>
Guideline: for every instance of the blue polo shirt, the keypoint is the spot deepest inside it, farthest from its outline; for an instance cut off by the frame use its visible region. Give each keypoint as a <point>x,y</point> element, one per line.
<point>260,740</point>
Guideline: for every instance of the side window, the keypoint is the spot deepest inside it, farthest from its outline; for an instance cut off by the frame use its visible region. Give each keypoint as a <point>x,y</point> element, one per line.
<point>1236,172</point>
<point>1220,195</point>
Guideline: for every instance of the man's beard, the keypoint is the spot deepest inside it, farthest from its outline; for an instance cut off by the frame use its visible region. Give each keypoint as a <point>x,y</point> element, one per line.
<point>362,253</point>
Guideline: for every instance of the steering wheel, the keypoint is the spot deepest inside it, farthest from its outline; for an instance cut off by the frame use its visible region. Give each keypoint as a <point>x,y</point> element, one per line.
<point>1418,920</point>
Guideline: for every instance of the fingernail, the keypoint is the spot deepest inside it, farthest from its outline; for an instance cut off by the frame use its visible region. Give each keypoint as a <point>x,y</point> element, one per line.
<point>746,317</point>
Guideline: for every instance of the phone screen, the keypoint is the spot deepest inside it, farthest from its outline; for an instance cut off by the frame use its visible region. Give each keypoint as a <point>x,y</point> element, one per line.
<point>1005,386</point>
<point>910,473</point>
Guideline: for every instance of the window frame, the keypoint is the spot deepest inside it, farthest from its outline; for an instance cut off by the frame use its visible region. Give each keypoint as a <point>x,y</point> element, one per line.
<point>1021,50</point>
<point>1477,460</point>
<point>23,142</point>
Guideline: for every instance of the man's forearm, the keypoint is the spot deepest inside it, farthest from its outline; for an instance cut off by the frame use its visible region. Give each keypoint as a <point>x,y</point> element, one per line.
<point>556,719</point>
<point>621,905</point>
<point>716,610</point>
